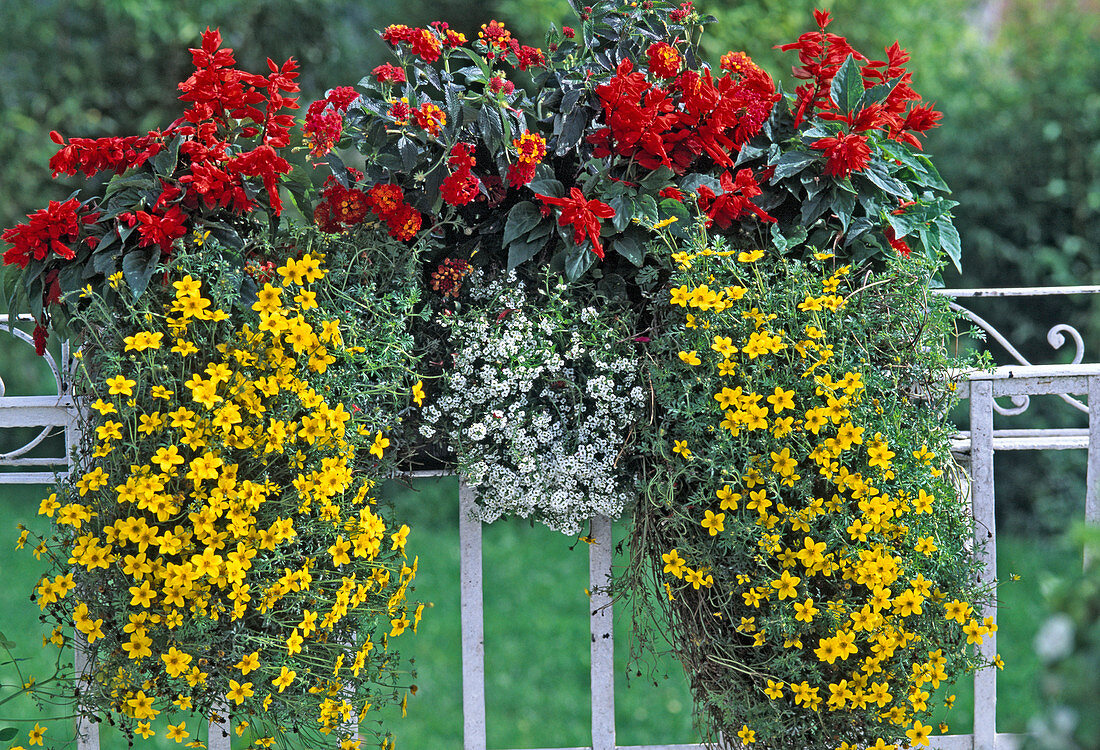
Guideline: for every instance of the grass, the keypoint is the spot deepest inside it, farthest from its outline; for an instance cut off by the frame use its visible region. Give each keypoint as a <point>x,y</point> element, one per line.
<point>536,635</point>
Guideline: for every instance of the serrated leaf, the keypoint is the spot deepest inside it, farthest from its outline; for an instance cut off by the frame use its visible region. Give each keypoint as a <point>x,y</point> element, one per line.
<point>492,130</point>
<point>571,130</point>
<point>847,87</point>
<point>523,217</point>
<point>408,152</point>
<point>138,267</point>
<point>793,162</point>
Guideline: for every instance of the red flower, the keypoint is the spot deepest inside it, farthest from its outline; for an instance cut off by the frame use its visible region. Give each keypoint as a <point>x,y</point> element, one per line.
<point>459,188</point>
<point>385,199</point>
<point>387,73</point>
<point>897,243</point>
<point>397,33</point>
<point>500,83</point>
<point>664,60</point>
<point>426,45</point>
<point>49,230</point>
<point>568,32</point>
<point>734,203</point>
<point>672,192</point>
<point>404,223</point>
<point>430,117</point>
<point>845,153</point>
<point>161,229</point>
<point>351,206</point>
<point>583,214</point>
<point>530,150</point>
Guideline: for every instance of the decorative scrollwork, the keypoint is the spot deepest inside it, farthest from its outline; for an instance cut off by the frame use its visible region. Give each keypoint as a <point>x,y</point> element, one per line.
<point>1056,337</point>
<point>61,382</point>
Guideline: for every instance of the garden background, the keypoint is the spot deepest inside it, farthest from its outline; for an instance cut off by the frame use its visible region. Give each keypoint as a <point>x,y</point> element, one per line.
<point>1019,83</point>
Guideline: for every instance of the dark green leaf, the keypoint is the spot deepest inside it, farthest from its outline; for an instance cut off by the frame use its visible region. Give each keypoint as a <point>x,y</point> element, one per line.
<point>847,86</point>
<point>8,733</point>
<point>491,128</point>
<point>165,161</point>
<point>950,242</point>
<point>670,207</point>
<point>877,174</point>
<point>223,233</point>
<point>5,643</point>
<point>549,187</point>
<point>571,130</point>
<point>570,98</point>
<point>844,203</point>
<point>138,267</point>
<point>877,94</point>
<point>523,217</point>
<point>71,277</point>
<point>523,250</point>
<point>624,212</point>
<point>139,181</point>
<point>578,259</point>
<point>647,206</point>
<point>408,152</point>
<point>631,246</point>
<point>793,162</point>
<point>860,225</point>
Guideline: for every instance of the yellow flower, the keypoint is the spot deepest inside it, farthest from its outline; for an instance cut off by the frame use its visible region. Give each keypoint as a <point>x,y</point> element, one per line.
<point>284,679</point>
<point>380,443</point>
<point>35,735</point>
<point>238,692</point>
<point>747,735</point>
<point>692,358</point>
<point>774,690</point>
<point>786,585</point>
<point>177,732</point>
<point>674,564</point>
<point>714,523</point>
<point>750,257</point>
<point>249,663</point>
<point>120,385</point>
<point>680,446</point>
<point>418,393</point>
<point>918,735</point>
<point>805,611</point>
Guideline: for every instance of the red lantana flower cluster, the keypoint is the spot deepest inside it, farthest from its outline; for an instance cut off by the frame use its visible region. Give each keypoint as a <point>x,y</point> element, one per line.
<point>325,121</point>
<point>460,186</point>
<point>694,115</point>
<point>530,151</point>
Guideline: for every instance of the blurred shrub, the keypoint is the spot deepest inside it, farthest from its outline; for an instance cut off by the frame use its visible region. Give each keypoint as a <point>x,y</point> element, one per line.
<point>1068,645</point>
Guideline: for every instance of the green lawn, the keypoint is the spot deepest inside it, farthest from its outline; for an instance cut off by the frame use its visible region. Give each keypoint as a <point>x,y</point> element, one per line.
<point>536,634</point>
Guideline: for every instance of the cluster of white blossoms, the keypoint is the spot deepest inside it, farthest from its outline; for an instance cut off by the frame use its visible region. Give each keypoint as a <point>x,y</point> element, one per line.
<point>538,406</point>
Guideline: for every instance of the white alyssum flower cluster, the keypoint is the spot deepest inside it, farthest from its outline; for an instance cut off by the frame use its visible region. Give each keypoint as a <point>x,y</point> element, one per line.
<point>538,405</point>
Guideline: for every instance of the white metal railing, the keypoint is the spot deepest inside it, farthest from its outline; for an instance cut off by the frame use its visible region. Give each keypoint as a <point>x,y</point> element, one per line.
<point>1017,383</point>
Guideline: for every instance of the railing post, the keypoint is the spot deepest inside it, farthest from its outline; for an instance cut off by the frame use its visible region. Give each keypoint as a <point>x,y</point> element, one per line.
<point>473,623</point>
<point>603,642</point>
<point>1092,476</point>
<point>219,733</point>
<point>985,547</point>
<point>87,731</point>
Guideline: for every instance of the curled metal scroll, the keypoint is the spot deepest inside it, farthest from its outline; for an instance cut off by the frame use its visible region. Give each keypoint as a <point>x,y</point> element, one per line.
<point>60,385</point>
<point>1056,337</point>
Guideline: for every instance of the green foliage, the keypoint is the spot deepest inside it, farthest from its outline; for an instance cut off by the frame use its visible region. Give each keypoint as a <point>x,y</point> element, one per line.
<point>1068,644</point>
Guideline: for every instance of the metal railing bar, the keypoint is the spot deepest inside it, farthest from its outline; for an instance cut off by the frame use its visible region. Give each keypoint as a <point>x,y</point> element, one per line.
<point>1015,291</point>
<point>603,641</point>
<point>473,622</point>
<point>985,538</point>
